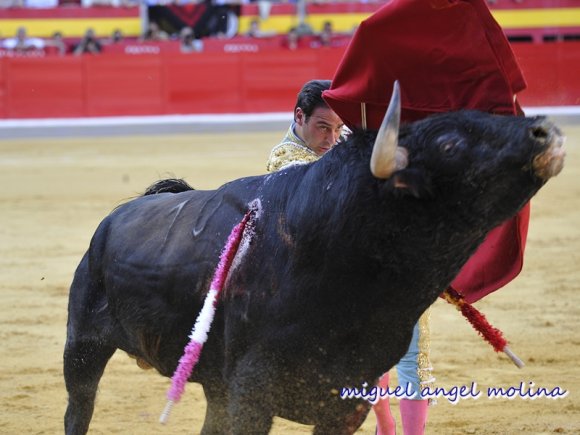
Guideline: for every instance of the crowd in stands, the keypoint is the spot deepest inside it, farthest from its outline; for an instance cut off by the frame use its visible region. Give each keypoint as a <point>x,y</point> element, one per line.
<point>89,3</point>
<point>297,37</point>
<point>64,3</point>
<point>190,38</point>
<point>21,43</point>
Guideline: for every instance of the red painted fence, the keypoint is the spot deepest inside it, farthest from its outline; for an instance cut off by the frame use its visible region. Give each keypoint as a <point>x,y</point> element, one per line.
<point>217,82</point>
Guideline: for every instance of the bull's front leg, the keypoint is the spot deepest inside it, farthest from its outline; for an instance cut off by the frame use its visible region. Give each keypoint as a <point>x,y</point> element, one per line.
<point>344,422</point>
<point>216,415</point>
<point>252,396</point>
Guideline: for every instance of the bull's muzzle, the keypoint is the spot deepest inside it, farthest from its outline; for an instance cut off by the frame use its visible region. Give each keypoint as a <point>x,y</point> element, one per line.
<point>550,162</point>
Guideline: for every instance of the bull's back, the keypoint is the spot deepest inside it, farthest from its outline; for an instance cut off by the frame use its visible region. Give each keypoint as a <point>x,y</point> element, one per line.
<point>155,257</point>
<point>169,230</point>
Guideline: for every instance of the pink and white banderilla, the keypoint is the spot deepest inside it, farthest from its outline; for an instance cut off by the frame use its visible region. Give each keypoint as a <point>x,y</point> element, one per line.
<point>204,320</point>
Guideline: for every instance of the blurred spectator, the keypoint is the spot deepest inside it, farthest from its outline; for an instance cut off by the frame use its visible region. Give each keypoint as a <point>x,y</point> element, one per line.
<point>304,29</point>
<point>89,44</point>
<point>116,37</point>
<point>21,42</point>
<point>325,36</point>
<point>255,31</point>
<point>292,39</point>
<point>222,18</point>
<point>154,33</point>
<point>57,42</point>
<point>187,41</point>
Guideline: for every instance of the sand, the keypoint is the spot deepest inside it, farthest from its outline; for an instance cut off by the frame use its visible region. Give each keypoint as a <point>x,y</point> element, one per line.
<point>56,191</point>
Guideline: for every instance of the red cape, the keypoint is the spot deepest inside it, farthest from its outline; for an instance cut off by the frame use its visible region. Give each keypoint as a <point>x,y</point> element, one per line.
<point>447,55</point>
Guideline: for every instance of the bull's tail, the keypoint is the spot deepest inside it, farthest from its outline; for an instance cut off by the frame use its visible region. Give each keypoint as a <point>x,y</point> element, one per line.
<point>168,185</point>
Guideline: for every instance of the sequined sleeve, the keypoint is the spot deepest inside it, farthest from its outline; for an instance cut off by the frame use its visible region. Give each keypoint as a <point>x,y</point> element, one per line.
<point>287,154</point>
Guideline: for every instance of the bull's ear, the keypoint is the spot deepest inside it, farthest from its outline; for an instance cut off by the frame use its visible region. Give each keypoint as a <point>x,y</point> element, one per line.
<point>409,182</point>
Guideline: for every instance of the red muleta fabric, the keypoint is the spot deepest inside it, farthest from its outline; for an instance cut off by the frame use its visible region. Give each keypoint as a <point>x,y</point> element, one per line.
<point>447,55</point>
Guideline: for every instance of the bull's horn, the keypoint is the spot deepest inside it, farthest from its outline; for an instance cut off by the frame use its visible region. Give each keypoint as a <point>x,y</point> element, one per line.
<point>387,157</point>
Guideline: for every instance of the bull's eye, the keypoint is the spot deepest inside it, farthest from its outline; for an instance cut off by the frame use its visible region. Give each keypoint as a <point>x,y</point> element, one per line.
<point>449,148</point>
<point>448,144</point>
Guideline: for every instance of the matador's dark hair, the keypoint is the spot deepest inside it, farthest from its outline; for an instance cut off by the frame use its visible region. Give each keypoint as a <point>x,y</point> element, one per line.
<point>310,96</point>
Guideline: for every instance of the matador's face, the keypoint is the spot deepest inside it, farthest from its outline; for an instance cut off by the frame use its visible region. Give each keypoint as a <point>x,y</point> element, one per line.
<point>321,130</point>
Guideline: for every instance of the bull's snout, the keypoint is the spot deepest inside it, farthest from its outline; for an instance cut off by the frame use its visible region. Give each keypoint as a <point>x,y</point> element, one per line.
<point>550,161</point>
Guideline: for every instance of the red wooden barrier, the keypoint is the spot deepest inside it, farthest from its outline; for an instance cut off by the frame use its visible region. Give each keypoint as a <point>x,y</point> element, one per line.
<point>214,82</point>
<point>44,87</point>
<point>210,83</point>
<point>125,85</point>
<point>3,88</point>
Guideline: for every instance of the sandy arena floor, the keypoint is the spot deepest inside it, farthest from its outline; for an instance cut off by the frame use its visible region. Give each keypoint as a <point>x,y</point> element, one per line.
<point>56,191</point>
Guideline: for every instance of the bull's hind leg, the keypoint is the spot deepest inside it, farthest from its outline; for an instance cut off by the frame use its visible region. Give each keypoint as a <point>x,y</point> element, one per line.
<point>87,348</point>
<point>84,363</point>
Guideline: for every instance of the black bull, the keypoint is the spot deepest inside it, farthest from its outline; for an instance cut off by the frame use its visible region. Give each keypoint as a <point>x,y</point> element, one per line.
<point>340,267</point>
